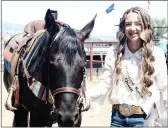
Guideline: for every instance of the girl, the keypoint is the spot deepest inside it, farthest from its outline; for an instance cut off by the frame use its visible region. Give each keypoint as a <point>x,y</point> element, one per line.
<point>135,71</point>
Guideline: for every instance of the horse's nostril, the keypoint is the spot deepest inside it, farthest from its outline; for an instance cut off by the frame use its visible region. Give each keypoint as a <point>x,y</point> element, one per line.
<point>76,116</point>
<point>59,116</point>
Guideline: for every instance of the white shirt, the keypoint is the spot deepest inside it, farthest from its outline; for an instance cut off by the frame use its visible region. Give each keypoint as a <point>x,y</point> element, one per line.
<point>120,93</point>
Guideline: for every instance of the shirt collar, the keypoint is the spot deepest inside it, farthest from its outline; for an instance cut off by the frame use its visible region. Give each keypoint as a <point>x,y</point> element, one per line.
<point>128,53</point>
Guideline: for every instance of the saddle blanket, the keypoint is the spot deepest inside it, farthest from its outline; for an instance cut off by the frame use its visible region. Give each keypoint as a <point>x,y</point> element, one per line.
<point>37,88</point>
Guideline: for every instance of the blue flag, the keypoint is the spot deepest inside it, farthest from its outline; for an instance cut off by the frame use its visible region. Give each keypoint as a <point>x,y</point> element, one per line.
<point>110,9</point>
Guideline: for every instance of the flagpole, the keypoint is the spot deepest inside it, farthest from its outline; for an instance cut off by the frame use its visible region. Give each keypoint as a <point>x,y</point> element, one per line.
<point>148,4</point>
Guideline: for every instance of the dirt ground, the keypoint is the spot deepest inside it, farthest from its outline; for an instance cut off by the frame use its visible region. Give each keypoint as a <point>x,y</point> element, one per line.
<point>89,118</point>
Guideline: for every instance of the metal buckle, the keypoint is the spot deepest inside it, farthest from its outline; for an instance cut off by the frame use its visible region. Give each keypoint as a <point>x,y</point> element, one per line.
<point>125,109</point>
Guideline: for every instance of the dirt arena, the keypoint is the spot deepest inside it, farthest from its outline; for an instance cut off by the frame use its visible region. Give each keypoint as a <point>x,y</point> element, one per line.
<point>89,118</point>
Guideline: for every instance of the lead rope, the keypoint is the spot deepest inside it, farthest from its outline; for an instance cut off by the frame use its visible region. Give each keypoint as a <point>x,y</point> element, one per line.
<point>28,119</point>
<point>82,98</point>
<point>84,84</point>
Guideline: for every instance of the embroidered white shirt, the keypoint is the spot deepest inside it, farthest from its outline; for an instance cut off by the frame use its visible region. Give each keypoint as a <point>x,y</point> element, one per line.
<point>120,93</point>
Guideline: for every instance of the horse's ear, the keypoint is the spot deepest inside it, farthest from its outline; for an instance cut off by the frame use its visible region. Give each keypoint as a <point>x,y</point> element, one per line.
<point>50,23</point>
<point>86,30</point>
<point>55,14</point>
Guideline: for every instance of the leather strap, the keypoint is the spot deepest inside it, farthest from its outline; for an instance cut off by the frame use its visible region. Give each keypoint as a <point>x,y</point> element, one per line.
<point>17,91</point>
<point>14,63</point>
<point>66,89</point>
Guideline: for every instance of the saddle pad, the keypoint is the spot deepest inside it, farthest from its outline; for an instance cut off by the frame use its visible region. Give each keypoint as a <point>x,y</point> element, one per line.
<point>7,65</point>
<point>10,48</point>
<point>39,90</point>
<point>12,45</point>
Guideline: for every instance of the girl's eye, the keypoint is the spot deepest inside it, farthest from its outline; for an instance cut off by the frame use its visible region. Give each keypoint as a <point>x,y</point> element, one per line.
<point>135,23</point>
<point>138,24</point>
<point>128,24</point>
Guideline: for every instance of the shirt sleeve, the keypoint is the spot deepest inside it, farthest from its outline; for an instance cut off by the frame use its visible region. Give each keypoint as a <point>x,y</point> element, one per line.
<point>98,93</point>
<point>161,75</point>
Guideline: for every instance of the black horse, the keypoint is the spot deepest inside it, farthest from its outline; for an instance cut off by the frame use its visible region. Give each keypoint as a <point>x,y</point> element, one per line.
<point>58,62</point>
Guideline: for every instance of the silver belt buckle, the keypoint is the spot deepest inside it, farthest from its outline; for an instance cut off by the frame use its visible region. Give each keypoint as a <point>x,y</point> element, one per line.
<point>125,109</point>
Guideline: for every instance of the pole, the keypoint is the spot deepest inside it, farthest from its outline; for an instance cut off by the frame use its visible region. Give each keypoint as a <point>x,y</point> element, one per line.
<point>91,60</point>
<point>148,4</point>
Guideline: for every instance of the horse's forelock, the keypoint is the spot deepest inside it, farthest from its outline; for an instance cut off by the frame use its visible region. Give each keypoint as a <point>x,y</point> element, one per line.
<point>67,43</point>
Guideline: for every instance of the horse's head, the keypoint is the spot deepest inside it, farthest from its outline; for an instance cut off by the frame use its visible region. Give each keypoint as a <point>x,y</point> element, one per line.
<point>66,65</point>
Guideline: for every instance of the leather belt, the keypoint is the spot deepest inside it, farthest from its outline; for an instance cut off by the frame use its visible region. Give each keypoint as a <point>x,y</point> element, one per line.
<point>128,110</point>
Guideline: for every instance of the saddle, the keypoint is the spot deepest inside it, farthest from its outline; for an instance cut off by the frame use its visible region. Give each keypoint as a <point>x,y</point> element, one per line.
<point>14,50</point>
<point>34,26</point>
<point>20,43</point>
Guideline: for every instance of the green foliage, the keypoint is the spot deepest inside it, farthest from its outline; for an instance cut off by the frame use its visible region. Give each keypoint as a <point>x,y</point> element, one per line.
<point>160,27</point>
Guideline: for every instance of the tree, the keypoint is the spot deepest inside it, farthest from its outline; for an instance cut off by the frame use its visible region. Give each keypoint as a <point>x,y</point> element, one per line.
<point>160,27</point>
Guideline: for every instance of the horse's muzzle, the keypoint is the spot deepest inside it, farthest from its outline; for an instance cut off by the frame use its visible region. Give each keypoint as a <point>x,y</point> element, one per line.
<point>69,120</point>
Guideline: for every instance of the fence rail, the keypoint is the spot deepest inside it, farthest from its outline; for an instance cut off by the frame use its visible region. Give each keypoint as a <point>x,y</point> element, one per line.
<point>91,50</point>
<point>96,51</point>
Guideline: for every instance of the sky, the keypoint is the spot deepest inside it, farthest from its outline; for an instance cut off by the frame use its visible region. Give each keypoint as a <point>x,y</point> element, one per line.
<point>78,13</point>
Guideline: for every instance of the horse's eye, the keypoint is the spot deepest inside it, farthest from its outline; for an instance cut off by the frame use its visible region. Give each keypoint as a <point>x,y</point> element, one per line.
<point>84,70</point>
<point>54,63</point>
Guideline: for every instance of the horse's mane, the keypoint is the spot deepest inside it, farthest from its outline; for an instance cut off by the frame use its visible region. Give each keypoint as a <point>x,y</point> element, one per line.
<point>37,60</point>
<point>67,44</point>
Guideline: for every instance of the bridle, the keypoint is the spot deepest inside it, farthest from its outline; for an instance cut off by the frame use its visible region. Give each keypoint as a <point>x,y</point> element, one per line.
<point>66,89</point>
<point>79,92</point>
<point>71,89</point>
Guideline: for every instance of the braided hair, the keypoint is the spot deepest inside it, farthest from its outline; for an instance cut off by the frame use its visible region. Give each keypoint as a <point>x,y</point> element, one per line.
<point>146,36</point>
